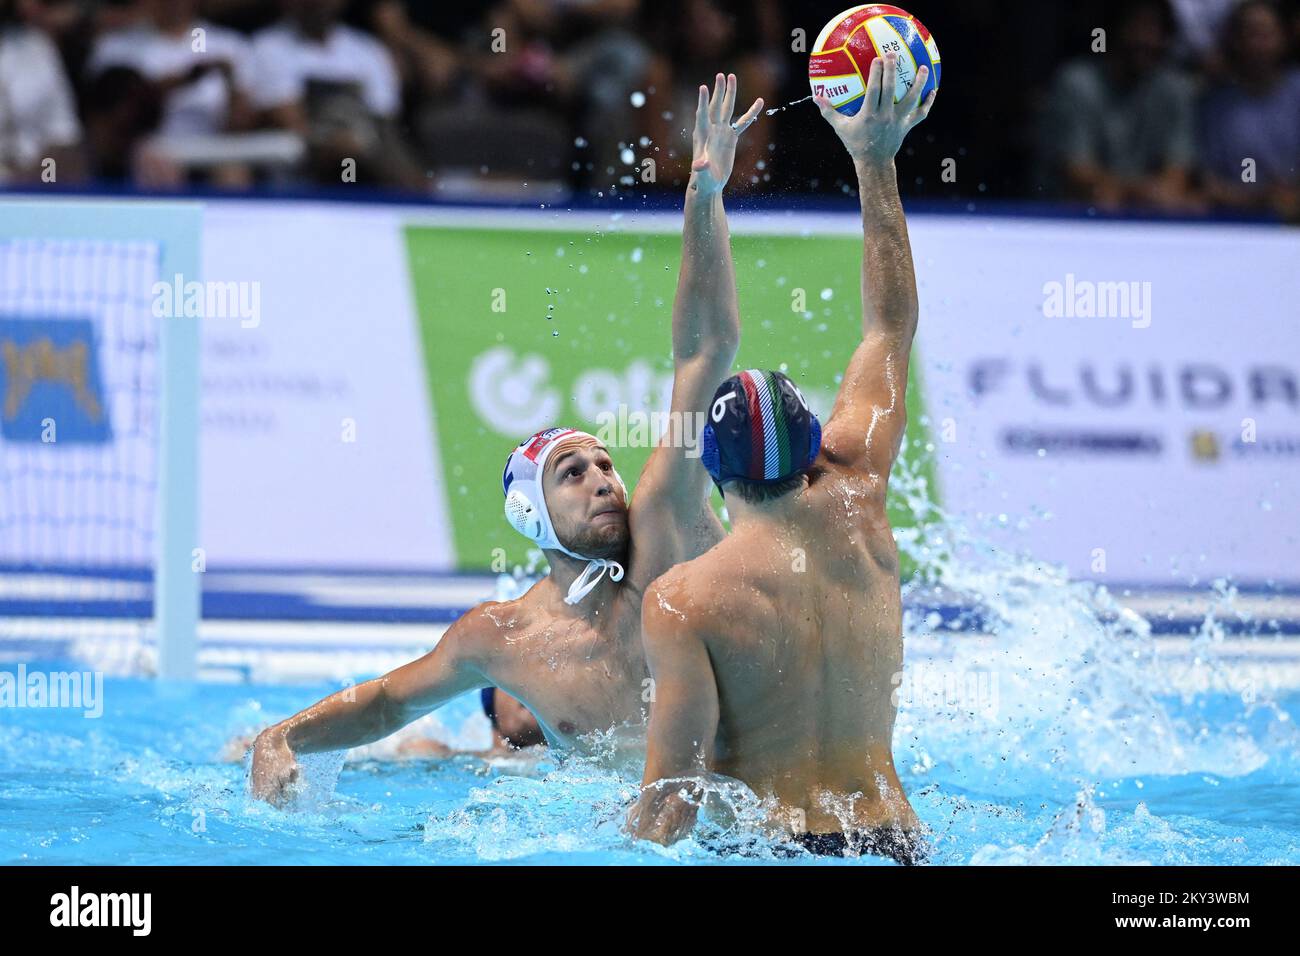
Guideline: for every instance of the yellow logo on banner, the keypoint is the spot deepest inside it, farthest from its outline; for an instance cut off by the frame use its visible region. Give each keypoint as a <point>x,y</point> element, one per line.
<point>1205,445</point>
<point>41,361</point>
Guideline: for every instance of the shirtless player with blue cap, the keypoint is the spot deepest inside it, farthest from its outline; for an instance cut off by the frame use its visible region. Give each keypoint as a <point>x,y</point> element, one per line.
<point>775,654</point>
<point>570,648</point>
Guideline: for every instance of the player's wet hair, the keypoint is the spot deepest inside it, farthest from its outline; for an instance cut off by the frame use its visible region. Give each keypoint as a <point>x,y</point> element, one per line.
<point>756,493</point>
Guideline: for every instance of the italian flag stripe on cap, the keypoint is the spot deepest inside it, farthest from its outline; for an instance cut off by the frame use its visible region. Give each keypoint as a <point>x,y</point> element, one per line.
<point>781,426</point>
<point>752,387</point>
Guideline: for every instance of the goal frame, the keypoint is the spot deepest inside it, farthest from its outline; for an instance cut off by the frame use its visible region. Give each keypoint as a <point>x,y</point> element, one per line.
<point>177,229</point>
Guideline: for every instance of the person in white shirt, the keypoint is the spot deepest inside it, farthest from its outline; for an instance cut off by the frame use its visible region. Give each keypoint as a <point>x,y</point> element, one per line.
<point>40,136</point>
<point>339,88</point>
<point>202,73</point>
<point>205,70</point>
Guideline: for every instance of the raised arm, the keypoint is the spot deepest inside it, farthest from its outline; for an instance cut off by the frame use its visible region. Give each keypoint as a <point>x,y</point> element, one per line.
<point>866,426</point>
<point>706,323</point>
<point>368,712</point>
<point>683,724</point>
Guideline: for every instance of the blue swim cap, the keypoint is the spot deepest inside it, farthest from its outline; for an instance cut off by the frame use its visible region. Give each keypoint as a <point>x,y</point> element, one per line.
<point>760,429</point>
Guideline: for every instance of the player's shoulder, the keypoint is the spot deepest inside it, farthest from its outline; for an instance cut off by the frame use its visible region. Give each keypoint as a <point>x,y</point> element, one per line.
<point>697,598</point>
<point>485,628</point>
<point>674,599</point>
<point>840,486</point>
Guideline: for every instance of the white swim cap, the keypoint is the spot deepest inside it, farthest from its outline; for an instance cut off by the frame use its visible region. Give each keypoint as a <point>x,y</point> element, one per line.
<point>527,512</point>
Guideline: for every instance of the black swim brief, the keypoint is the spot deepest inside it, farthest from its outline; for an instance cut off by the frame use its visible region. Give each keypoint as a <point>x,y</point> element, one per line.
<point>906,849</point>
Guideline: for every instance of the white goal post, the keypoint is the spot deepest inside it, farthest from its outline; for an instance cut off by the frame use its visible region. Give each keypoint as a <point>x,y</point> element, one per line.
<point>99,404</point>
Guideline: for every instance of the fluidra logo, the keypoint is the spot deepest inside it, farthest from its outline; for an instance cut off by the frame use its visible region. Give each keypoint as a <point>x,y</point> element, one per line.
<point>103,909</point>
<point>1084,299</point>
<point>208,300</point>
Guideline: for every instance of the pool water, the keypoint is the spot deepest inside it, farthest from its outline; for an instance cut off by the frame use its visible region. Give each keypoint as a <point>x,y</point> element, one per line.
<point>142,785</point>
<point>1043,724</point>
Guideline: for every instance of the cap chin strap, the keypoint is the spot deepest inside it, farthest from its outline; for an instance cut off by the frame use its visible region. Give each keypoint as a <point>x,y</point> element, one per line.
<point>591,576</point>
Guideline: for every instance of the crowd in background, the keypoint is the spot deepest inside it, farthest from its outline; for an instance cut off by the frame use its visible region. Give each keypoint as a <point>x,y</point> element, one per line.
<point>1181,106</point>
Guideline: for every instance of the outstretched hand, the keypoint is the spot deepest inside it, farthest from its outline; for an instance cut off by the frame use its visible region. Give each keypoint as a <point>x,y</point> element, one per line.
<point>715,137</point>
<point>275,776</point>
<point>876,131</point>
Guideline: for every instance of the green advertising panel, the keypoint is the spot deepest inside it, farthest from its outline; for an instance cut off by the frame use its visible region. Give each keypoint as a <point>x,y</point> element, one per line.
<point>529,328</point>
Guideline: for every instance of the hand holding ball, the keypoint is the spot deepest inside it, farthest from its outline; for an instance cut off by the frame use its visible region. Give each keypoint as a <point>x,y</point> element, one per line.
<point>841,57</point>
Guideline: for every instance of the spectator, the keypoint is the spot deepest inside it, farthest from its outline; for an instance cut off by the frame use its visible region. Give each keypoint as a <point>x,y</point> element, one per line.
<point>1251,122</point>
<point>559,75</point>
<point>339,89</point>
<point>40,136</point>
<point>699,38</point>
<point>70,24</point>
<point>1120,125</point>
<point>600,62</point>
<point>428,62</point>
<point>203,74</point>
<point>204,71</point>
<point>120,107</point>
<point>1199,38</point>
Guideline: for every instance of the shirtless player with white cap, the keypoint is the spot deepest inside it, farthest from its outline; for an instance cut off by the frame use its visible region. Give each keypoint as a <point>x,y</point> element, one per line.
<point>570,648</point>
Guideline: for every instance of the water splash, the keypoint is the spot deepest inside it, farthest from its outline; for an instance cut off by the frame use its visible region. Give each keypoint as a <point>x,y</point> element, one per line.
<point>778,109</point>
<point>1085,703</point>
<point>1082,689</point>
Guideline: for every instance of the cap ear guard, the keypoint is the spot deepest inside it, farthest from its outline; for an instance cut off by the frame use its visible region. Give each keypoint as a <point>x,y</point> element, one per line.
<point>524,516</point>
<point>814,439</point>
<point>709,455</point>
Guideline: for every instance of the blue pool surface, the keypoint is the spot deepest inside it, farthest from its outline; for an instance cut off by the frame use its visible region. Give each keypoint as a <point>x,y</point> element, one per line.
<point>142,785</point>
<point>1050,725</point>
